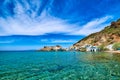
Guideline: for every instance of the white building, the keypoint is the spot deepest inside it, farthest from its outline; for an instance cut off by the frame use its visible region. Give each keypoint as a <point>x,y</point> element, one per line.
<point>91,48</point>
<point>56,48</point>
<point>110,47</point>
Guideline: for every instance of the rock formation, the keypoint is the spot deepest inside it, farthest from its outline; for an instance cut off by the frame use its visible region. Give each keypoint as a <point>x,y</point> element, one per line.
<point>52,48</point>
<point>109,35</point>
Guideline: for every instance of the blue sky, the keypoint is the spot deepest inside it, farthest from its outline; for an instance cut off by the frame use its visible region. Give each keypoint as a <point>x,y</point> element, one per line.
<point>31,24</point>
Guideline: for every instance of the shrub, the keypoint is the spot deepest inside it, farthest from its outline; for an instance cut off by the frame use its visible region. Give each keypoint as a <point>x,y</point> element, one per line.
<point>83,49</point>
<point>103,48</point>
<point>116,46</point>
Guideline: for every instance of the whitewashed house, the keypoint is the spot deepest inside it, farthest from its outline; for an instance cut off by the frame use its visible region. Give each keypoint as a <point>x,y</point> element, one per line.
<point>110,47</point>
<point>91,48</point>
<point>88,47</point>
<point>57,47</point>
<point>94,49</point>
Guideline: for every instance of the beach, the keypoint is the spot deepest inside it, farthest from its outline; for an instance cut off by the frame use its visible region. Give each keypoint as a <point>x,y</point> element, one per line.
<point>118,51</point>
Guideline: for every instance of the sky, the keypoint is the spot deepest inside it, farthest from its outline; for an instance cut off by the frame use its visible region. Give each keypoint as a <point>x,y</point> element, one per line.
<point>32,24</point>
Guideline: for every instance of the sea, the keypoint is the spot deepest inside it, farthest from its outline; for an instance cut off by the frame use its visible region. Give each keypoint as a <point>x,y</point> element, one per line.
<point>64,65</point>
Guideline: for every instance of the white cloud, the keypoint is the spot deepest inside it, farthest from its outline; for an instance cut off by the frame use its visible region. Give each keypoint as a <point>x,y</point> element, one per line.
<point>93,26</point>
<point>62,41</point>
<point>57,41</point>
<point>24,24</point>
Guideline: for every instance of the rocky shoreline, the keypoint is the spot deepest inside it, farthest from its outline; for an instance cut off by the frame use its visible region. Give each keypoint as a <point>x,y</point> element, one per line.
<point>117,51</point>
<point>60,48</point>
<point>106,40</point>
<point>53,48</point>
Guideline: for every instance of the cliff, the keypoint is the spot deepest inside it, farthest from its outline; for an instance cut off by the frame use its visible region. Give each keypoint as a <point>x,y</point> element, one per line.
<point>109,35</point>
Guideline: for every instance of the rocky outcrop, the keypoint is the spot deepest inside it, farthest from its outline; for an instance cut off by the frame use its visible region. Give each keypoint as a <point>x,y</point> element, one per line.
<point>52,48</point>
<point>109,35</point>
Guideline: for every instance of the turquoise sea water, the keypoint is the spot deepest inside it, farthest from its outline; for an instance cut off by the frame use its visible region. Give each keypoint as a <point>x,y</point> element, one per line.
<point>30,65</point>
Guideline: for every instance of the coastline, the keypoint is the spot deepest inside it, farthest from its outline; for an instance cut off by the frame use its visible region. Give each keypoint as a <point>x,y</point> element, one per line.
<point>118,51</point>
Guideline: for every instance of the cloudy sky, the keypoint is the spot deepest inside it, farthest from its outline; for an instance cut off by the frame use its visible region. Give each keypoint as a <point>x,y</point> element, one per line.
<point>31,24</point>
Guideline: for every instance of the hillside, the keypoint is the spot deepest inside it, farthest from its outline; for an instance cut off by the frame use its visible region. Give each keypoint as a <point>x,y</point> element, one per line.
<point>109,35</point>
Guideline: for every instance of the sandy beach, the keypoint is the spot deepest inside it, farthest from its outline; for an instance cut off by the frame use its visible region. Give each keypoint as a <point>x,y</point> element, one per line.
<point>118,51</point>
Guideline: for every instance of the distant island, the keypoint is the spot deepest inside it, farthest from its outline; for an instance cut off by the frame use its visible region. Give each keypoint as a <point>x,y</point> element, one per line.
<point>107,39</point>
<point>53,48</point>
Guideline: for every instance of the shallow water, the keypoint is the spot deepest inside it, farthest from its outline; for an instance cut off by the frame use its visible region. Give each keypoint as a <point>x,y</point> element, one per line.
<point>31,65</point>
